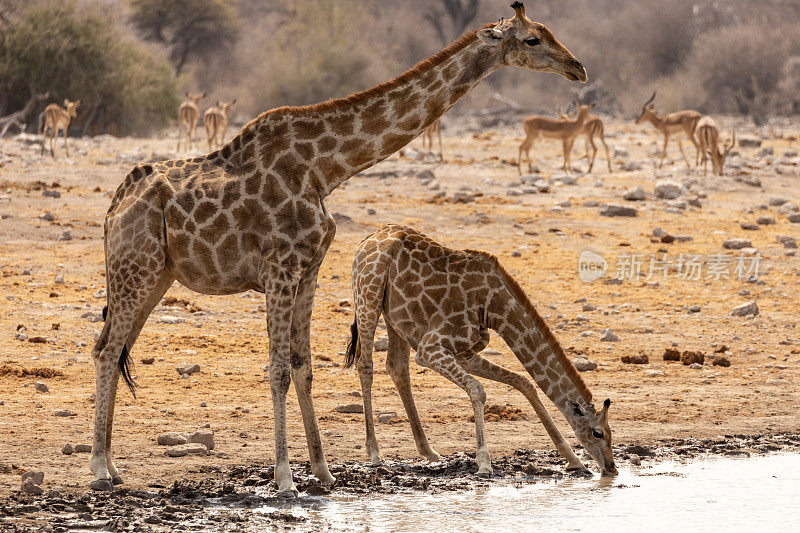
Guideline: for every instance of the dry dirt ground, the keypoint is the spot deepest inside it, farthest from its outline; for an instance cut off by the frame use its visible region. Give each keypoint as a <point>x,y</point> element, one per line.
<point>49,285</point>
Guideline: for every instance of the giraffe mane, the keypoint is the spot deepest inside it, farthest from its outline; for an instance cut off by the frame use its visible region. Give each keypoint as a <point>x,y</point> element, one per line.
<point>423,66</point>
<point>517,291</point>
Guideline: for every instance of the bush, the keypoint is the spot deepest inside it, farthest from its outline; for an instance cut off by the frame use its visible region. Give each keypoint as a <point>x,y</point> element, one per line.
<point>124,86</point>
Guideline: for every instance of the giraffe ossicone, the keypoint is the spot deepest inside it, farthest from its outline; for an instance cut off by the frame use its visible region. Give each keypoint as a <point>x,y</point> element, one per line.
<point>442,303</point>
<point>251,216</point>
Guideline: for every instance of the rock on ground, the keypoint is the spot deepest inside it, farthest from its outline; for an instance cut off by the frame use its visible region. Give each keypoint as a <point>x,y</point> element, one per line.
<point>668,190</point>
<point>172,438</point>
<point>350,408</point>
<point>690,358</point>
<point>41,387</point>
<point>720,360</point>
<point>614,210</point>
<point>67,449</point>
<point>736,243</point>
<point>29,487</point>
<point>672,355</point>
<point>36,476</point>
<point>748,308</point>
<point>584,365</point>
<point>83,448</point>
<point>381,344</point>
<point>204,437</point>
<point>635,359</point>
<point>609,336</point>
<point>635,194</point>
<point>181,450</point>
<point>188,368</point>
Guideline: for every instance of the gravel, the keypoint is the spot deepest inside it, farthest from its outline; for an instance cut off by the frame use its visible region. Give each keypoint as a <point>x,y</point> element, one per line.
<point>188,368</point>
<point>746,309</point>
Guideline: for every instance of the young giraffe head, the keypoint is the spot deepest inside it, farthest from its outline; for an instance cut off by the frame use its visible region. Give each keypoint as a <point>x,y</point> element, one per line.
<point>593,431</point>
<point>531,45</point>
<point>72,107</point>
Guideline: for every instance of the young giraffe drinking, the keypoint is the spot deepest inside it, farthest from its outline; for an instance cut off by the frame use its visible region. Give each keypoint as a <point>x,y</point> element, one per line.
<point>442,303</point>
<point>251,216</point>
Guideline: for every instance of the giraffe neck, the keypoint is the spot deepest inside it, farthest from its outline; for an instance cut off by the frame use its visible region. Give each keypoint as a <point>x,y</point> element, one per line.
<point>340,138</point>
<point>526,334</point>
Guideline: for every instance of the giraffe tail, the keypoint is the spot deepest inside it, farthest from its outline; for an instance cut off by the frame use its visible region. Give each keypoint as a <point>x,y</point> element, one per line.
<point>124,363</point>
<point>352,346</point>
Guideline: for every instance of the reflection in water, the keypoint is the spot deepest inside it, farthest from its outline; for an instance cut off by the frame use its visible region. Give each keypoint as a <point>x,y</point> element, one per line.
<point>736,494</point>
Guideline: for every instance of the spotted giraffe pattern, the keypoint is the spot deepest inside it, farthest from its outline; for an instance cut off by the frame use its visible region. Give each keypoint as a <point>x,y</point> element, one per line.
<point>442,303</point>
<point>251,216</point>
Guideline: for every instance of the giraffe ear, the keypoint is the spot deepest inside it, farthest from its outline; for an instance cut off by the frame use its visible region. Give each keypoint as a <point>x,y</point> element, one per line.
<point>490,36</point>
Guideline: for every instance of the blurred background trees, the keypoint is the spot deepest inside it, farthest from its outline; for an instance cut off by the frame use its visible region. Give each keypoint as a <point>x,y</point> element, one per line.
<point>131,60</point>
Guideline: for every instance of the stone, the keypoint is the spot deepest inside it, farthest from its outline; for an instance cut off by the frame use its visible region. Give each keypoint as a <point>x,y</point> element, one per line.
<point>749,142</point>
<point>668,190</point>
<point>386,417</point>
<point>750,226</point>
<point>36,476</point>
<point>50,193</point>
<point>746,309</point>
<point>694,309</point>
<point>765,220</point>
<point>381,344</point>
<point>788,208</point>
<point>793,217</point>
<point>351,408</point>
<point>63,413</point>
<point>171,319</point>
<point>182,450</point>
<point>584,365</point>
<point>720,360</point>
<point>67,449</point>
<point>690,358</point>
<point>671,354</point>
<point>609,336</point>
<point>635,194</point>
<point>41,387</point>
<point>83,448</point>
<point>29,487</point>
<point>641,359</point>
<point>46,216</point>
<point>462,197</point>
<point>736,243</point>
<point>588,307</point>
<point>66,236</point>
<point>695,366</point>
<point>777,200</point>
<point>188,368</point>
<point>172,438</point>
<point>641,451</point>
<point>652,373</point>
<point>615,210</point>
<point>204,437</point>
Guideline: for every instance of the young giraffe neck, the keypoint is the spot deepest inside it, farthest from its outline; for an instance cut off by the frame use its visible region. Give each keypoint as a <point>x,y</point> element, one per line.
<point>336,139</point>
<point>529,337</point>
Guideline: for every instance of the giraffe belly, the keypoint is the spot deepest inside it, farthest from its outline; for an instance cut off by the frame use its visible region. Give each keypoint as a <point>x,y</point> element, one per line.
<point>211,279</point>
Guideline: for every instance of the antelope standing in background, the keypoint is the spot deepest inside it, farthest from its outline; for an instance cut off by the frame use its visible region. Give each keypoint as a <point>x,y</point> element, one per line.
<point>187,117</point>
<point>672,124</point>
<point>708,139</point>
<point>57,118</point>
<point>434,128</point>
<point>215,121</point>
<point>591,128</point>
<point>537,126</point>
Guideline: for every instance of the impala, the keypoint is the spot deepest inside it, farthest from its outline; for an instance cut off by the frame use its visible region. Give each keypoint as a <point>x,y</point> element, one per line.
<point>57,118</point>
<point>672,124</point>
<point>187,117</point>
<point>537,126</point>
<point>708,138</point>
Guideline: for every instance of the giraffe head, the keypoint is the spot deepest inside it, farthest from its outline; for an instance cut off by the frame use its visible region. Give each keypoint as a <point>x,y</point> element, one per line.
<point>527,44</point>
<point>226,107</point>
<point>593,431</point>
<point>195,97</point>
<point>72,107</point>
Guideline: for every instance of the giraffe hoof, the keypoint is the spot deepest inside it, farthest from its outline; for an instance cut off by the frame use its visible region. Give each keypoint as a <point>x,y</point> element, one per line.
<point>326,479</point>
<point>117,480</point>
<point>485,472</point>
<point>102,484</point>
<point>288,494</point>
<point>433,457</point>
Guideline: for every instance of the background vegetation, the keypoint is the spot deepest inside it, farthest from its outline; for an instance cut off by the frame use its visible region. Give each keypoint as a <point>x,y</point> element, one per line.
<point>131,60</point>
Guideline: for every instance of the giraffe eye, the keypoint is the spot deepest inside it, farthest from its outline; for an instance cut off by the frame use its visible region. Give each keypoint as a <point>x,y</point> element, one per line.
<point>533,41</point>
<point>597,434</point>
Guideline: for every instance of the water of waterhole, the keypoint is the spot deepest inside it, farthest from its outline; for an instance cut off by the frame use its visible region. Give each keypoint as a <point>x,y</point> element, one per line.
<point>715,494</point>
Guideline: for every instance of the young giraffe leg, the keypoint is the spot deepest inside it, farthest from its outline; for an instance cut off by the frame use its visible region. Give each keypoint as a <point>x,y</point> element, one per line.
<point>397,367</point>
<point>281,290</point>
<point>302,374</point>
<point>484,368</point>
<point>432,355</point>
<point>367,321</point>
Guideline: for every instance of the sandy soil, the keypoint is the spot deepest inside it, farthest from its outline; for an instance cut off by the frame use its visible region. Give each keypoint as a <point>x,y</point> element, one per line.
<point>757,394</point>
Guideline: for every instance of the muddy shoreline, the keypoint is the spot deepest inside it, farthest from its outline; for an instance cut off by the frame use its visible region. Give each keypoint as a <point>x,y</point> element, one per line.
<point>225,499</point>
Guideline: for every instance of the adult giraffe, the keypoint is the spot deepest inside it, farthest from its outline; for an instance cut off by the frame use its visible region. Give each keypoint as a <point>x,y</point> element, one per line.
<point>251,215</point>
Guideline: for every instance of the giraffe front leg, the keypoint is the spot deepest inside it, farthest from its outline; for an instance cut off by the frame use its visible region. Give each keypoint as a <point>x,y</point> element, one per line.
<point>433,355</point>
<point>302,373</point>
<point>280,297</point>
